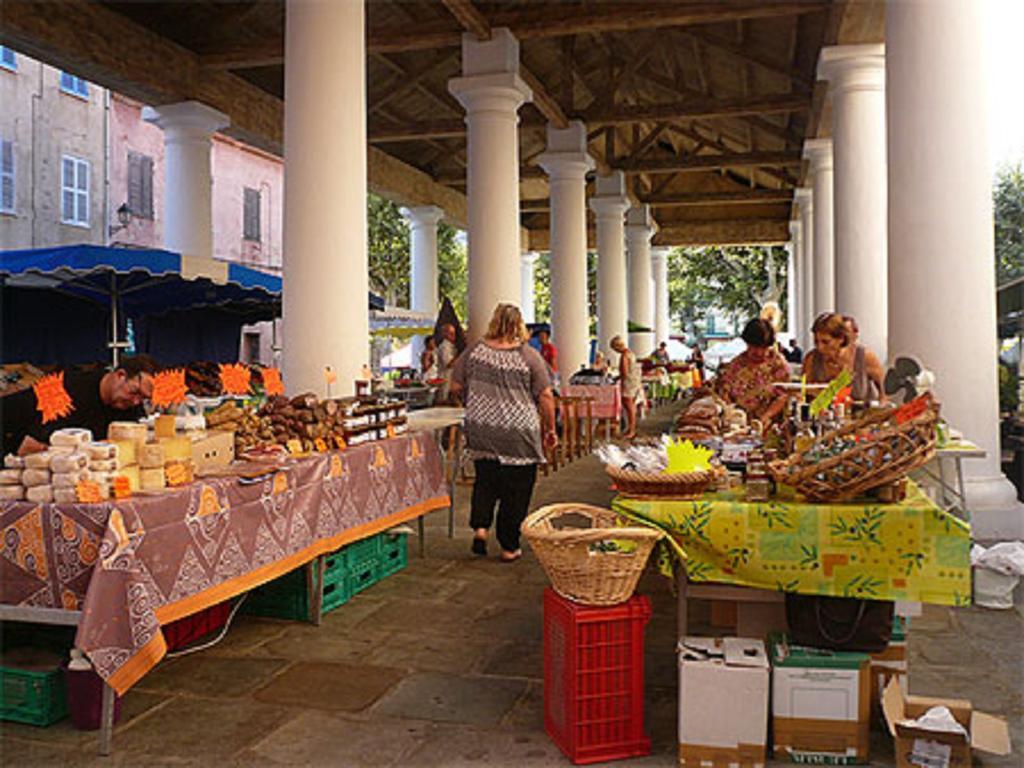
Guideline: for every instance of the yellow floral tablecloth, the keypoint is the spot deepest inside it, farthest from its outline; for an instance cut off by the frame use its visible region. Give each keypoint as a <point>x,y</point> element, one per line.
<point>908,551</point>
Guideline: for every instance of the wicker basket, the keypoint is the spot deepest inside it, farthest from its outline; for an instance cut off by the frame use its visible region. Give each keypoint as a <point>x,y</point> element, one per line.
<point>576,559</point>
<point>888,453</point>
<point>676,485</point>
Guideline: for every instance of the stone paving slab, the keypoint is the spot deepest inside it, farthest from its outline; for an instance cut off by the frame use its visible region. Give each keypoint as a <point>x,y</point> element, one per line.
<point>203,674</point>
<point>331,686</point>
<point>446,698</point>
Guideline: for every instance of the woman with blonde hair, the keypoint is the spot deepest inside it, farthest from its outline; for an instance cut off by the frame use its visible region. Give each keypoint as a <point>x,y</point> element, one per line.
<point>506,387</point>
<point>835,351</point>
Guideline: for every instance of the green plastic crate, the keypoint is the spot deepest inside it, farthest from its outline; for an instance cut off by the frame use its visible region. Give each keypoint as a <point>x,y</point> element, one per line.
<point>33,697</point>
<point>394,553</point>
<point>360,551</point>
<point>286,597</point>
<point>363,574</point>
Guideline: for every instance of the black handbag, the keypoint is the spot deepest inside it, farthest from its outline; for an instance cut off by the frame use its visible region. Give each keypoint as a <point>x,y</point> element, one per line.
<point>839,623</point>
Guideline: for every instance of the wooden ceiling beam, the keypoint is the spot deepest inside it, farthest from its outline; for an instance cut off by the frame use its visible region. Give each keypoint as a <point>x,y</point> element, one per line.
<point>689,199</point>
<point>469,16</point>
<point>545,20</point>
<point>743,52</point>
<point>710,162</point>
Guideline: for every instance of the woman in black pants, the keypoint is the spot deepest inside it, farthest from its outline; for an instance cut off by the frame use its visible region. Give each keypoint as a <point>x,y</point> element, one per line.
<point>510,416</point>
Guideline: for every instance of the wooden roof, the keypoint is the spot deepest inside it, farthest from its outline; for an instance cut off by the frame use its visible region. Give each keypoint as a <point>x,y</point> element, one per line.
<point>703,104</point>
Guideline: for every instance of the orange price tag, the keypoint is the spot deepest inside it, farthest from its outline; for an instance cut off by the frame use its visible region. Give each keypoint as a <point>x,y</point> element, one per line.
<point>391,430</point>
<point>176,474</point>
<point>321,446</point>
<point>272,384</point>
<point>88,492</point>
<point>339,441</point>
<point>911,410</point>
<point>294,447</point>
<point>52,400</point>
<point>169,388</point>
<point>122,487</point>
<point>235,378</point>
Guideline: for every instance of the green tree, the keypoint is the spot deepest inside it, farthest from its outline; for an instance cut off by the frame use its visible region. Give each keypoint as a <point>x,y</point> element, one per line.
<point>736,281</point>
<point>542,289</point>
<point>453,276</point>
<point>1009,222</point>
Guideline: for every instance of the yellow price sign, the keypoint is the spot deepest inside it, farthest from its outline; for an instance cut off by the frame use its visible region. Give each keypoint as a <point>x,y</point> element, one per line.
<point>340,443</point>
<point>294,447</point>
<point>321,446</point>
<point>827,395</point>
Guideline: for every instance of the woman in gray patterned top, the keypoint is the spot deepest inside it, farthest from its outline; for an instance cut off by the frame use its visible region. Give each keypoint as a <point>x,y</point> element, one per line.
<point>506,387</point>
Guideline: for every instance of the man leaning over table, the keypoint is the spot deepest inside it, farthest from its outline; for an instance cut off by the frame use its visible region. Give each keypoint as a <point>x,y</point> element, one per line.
<point>97,397</point>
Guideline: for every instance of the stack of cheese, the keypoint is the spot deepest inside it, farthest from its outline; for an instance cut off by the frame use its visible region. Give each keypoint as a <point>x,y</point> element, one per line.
<point>11,488</point>
<point>130,437</point>
<point>69,465</point>
<point>151,465</point>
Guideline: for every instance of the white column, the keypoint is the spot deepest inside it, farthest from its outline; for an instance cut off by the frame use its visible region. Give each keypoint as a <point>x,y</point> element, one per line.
<point>791,300</point>
<point>188,181</point>
<point>662,322</point>
<point>609,204</point>
<point>325,270</point>
<point>423,223</point>
<point>566,162</point>
<point>942,298</point>
<point>640,229</point>
<point>856,74</point>
<point>805,204</point>
<point>819,152</point>
<point>527,263</point>
<point>492,92</point>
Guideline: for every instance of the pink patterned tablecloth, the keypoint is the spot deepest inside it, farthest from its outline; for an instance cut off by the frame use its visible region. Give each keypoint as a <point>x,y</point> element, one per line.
<point>134,565</point>
<point>607,398</point>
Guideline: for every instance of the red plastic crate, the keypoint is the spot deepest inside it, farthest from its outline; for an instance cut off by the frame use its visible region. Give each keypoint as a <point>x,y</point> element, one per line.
<point>187,630</point>
<point>594,678</point>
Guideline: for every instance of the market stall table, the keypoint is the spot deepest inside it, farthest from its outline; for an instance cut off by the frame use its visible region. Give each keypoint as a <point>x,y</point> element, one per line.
<point>953,496</point>
<point>438,421</point>
<point>907,551</point>
<point>606,407</point>
<point>123,569</point>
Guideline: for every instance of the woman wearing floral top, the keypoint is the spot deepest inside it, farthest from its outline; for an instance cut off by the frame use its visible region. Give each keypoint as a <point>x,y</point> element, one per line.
<point>749,380</point>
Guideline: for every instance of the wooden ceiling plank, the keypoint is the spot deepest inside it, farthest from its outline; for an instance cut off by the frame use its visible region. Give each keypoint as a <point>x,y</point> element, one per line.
<point>403,84</point>
<point>710,162</point>
<point>469,16</point>
<point>710,109</point>
<point>745,54</point>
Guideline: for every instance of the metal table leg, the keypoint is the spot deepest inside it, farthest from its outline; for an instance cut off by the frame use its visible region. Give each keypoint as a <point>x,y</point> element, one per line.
<point>943,489</point>
<point>962,489</point>
<point>681,612</point>
<point>315,589</point>
<point>106,719</point>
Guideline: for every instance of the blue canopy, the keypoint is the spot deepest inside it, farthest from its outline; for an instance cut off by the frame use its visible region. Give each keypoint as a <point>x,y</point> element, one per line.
<point>59,304</point>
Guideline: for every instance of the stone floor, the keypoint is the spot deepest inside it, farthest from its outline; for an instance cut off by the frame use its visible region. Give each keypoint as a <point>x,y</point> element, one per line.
<point>440,665</point>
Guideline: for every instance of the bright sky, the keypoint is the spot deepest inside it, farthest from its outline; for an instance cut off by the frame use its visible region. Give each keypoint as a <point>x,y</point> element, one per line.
<point>1005,93</point>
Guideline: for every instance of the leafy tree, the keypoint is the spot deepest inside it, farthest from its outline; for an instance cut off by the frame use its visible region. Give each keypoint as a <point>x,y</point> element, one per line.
<point>1009,222</point>
<point>736,281</point>
<point>388,255</point>
<point>542,289</point>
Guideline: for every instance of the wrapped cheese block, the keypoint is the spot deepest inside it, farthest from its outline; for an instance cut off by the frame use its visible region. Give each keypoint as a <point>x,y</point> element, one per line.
<point>13,462</point>
<point>102,451</point>
<point>133,475</point>
<point>10,477</point>
<point>73,436</point>
<point>63,450</point>
<point>38,460</point>
<point>127,451</point>
<point>151,455</point>
<point>12,492</point>
<point>152,479</point>
<point>127,430</point>
<point>34,477</point>
<point>176,449</point>
<point>103,465</point>
<point>70,479</point>
<point>102,478</point>
<point>65,495</point>
<point>41,494</point>
<point>71,462</point>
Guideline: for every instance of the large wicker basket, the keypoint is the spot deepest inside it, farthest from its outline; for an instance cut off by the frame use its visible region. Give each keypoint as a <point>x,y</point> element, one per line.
<point>587,563</point>
<point>676,485</point>
<point>885,451</point>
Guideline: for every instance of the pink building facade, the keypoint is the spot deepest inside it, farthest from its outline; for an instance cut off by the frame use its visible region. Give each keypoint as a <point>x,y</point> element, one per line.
<point>248,195</point>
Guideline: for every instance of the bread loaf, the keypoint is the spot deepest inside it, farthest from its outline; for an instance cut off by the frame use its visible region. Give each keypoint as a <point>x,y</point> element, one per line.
<point>33,477</point>
<point>40,494</point>
<point>71,462</point>
<point>73,436</point>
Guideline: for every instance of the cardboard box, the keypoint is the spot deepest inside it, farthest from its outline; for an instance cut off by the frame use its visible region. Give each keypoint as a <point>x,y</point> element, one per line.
<point>723,702</point>
<point>217,449</point>
<point>890,663</point>
<point>919,748</point>
<point>821,704</point>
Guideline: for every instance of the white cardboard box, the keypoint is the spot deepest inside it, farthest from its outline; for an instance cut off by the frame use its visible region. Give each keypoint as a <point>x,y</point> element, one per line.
<point>723,701</point>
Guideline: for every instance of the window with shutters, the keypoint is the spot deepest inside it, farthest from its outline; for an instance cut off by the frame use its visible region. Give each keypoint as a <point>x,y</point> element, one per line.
<point>6,176</point>
<point>8,59</point>
<point>74,85</point>
<point>251,215</point>
<point>140,185</point>
<point>74,189</point>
